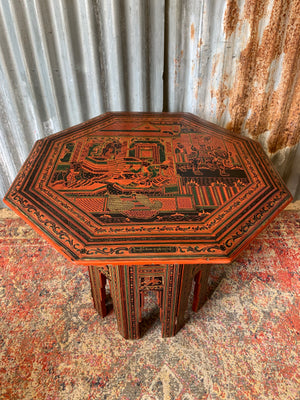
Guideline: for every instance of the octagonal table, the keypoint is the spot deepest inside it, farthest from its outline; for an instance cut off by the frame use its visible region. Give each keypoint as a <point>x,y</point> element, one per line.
<point>148,201</point>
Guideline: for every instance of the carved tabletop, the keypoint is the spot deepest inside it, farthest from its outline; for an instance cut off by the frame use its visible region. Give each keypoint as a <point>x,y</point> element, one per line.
<point>140,188</point>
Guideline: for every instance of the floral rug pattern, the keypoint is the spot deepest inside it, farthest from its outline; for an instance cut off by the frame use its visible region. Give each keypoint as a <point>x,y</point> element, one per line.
<point>243,343</point>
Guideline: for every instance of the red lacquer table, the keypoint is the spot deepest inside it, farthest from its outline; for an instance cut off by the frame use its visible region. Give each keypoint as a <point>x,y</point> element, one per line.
<point>148,201</point>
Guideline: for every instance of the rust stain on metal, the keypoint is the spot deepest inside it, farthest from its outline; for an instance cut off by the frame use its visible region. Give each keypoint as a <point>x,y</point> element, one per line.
<point>216,60</point>
<point>229,126</point>
<point>231,17</point>
<point>192,32</point>
<point>265,93</point>
<point>197,87</point>
<point>287,97</point>
<point>222,95</point>
<point>177,63</point>
<point>241,97</point>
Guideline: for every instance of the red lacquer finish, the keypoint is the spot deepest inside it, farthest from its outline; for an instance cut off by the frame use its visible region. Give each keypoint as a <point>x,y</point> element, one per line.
<point>125,190</point>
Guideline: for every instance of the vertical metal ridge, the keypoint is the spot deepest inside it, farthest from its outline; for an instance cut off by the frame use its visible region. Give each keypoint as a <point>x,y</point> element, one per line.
<point>40,68</point>
<point>90,57</point>
<point>109,50</point>
<point>64,57</point>
<point>84,59</point>
<point>166,78</point>
<point>17,78</point>
<point>156,45</point>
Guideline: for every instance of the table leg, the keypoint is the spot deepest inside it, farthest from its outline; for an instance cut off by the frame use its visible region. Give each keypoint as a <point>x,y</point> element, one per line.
<point>127,287</point>
<point>200,289</point>
<point>125,296</point>
<point>98,281</point>
<point>177,289</point>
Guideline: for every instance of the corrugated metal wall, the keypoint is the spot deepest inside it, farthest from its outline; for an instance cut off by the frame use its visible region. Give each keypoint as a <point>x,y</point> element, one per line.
<point>234,62</point>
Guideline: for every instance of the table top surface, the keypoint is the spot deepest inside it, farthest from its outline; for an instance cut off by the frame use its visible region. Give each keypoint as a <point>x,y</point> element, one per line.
<point>148,187</point>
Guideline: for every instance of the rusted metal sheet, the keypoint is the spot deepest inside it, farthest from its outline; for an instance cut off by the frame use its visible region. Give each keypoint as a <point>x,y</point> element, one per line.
<point>237,63</point>
<point>234,62</point>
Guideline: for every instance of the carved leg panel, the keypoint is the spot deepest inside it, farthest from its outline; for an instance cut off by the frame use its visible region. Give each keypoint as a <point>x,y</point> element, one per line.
<point>98,281</point>
<point>125,296</point>
<point>175,298</point>
<point>200,289</point>
<point>185,290</point>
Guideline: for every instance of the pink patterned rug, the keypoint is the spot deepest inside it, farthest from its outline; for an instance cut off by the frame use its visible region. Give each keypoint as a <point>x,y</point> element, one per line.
<point>243,343</point>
